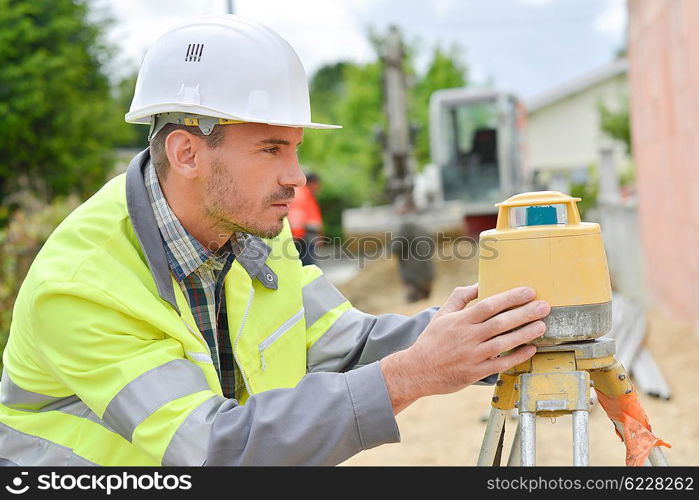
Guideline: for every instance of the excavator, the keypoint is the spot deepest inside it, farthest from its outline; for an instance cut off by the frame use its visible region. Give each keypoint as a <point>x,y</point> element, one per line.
<point>477,157</point>
<point>477,150</point>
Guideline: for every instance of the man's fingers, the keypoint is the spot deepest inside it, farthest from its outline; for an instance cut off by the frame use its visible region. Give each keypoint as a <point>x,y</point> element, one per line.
<point>504,363</point>
<point>507,341</point>
<point>490,306</point>
<point>459,298</point>
<point>508,320</point>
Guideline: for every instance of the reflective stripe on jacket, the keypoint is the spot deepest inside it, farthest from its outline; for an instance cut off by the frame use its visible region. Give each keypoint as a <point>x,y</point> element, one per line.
<point>104,363</point>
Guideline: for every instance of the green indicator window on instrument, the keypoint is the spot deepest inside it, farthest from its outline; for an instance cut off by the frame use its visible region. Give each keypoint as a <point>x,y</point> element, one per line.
<point>538,215</point>
<point>541,215</point>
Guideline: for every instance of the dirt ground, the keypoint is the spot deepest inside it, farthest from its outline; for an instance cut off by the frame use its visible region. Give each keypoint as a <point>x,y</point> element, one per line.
<point>448,430</point>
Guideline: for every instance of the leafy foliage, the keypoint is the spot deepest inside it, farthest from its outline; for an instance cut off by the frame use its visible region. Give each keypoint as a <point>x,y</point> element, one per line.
<point>446,70</point>
<point>615,122</point>
<point>349,160</point>
<point>58,120</point>
<point>588,191</point>
<point>129,135</point>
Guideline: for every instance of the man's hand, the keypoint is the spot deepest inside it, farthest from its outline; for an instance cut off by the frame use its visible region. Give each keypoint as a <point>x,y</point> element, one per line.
<point>461,345</point>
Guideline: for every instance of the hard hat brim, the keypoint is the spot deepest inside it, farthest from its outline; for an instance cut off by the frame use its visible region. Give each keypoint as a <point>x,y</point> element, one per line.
<point>143,116</point>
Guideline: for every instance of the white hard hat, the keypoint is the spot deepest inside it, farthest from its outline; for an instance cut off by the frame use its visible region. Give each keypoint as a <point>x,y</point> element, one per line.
<point>226,67</point>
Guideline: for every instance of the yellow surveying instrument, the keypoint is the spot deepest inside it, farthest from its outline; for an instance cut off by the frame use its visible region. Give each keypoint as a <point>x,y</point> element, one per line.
<point>540,241</point>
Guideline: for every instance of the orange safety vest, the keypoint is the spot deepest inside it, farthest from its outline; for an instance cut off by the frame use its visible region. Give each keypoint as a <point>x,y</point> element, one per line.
<point>304,212</point>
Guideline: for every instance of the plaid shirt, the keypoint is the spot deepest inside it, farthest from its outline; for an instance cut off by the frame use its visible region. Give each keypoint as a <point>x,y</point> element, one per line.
<point>200,273</point>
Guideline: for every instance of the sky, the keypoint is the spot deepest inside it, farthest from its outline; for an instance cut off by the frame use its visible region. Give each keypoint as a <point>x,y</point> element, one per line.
<point>523,46</point>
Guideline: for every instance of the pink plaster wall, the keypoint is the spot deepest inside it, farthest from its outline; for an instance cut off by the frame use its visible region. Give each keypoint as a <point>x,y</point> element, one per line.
<point>664,80</point>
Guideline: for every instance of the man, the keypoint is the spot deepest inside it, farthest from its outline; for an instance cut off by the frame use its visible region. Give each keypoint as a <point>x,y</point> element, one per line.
<point>169,321</point>
<point>305,219</point>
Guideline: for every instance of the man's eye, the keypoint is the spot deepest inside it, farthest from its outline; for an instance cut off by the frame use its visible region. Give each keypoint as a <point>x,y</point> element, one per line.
<point>273,149</point>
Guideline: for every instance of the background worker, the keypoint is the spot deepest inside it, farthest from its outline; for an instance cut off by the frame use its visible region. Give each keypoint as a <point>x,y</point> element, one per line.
<point>306,220</point>
<point>167,322</point>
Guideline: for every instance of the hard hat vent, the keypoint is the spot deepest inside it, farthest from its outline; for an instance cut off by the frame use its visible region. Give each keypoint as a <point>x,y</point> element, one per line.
<point>194,51</point>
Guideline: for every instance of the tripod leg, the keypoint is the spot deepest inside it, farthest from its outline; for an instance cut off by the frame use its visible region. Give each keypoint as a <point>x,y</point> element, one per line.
<point>581,438</point>
<point>620,401</point>
<point>514,451</point>
<point>527,438</point>
<point>492,440</point>
<point>497,460</point>
<point>657,457</point>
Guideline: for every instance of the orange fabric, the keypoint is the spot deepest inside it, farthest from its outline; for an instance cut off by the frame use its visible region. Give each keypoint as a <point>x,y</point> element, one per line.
<point>638,437</point>
<point>304,212</point>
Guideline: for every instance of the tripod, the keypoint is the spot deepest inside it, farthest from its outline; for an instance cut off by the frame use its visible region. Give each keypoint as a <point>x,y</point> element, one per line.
<point>556,381</point>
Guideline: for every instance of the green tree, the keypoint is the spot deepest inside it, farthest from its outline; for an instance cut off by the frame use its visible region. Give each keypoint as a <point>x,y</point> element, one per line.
<point>349,95</point>
<point>349,161</point>
<point>615,121</point>
<point>328,83</point>
<point>58,119</point>
<point>129,135</point>
<point>445,70</point>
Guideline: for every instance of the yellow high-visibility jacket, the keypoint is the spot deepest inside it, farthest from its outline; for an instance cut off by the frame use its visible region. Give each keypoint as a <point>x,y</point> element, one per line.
<point>105,365</point>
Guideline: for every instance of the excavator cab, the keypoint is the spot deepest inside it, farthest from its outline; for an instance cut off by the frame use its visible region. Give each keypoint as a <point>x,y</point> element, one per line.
<point>476,144</point>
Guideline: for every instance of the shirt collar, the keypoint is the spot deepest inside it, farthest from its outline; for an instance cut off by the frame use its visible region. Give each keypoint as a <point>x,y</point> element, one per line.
<point>252,256</point>
<point>184,252</point>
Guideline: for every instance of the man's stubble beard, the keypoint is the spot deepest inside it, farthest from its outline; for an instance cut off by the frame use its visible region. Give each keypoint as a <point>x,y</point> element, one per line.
<point>223,199</point>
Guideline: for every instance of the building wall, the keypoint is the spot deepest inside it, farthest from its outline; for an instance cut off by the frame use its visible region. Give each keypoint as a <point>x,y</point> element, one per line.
<point>664,83</point>
<point>566,134</point>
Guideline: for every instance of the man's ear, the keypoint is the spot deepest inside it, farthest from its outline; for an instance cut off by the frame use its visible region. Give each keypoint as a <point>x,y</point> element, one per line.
<point>181,148</point>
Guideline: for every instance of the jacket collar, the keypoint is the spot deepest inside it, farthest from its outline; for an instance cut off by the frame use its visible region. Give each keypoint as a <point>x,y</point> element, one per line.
<point>252,257</point>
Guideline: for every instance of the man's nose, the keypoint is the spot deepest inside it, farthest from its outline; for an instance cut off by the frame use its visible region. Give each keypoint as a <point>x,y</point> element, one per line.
<point>293,175</point>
